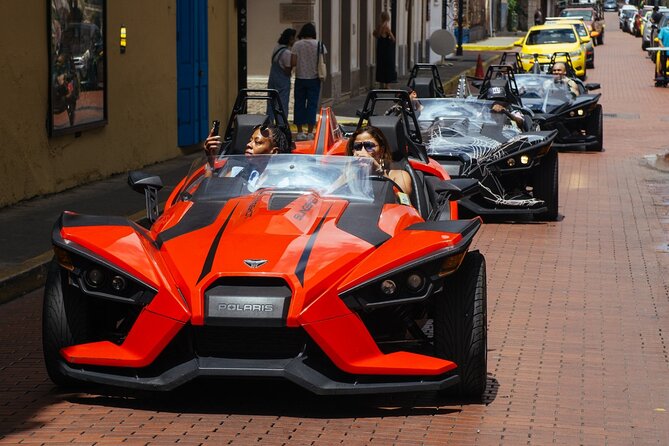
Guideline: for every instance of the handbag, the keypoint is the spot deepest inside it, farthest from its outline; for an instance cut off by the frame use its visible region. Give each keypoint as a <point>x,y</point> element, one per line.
<point>322,68</point>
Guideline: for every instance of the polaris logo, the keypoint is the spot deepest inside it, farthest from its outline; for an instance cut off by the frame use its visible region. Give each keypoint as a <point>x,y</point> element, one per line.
<point>219,307</point>
<point>254,263</point>
<point>256,308</point>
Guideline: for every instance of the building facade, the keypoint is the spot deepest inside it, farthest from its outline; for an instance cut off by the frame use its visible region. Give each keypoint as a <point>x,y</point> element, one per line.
<point>131,106</point>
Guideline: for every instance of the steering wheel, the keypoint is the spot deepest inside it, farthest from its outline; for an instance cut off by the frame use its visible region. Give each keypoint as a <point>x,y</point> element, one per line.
<point>385,178</point>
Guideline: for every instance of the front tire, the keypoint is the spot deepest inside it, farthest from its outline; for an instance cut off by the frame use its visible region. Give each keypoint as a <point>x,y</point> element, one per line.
<point>63,323</point>
<point>460,326</point>
<point>596,127</point>
<point>546,185</point>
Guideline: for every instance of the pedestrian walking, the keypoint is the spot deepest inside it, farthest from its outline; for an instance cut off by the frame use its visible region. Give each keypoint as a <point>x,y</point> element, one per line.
<point>385,51</point>
<point>281,68</point>
<point>307,83</point>
<point>538,17</point>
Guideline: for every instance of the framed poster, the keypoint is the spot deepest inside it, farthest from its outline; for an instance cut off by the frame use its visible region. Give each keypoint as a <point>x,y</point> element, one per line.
<point>77,65</point>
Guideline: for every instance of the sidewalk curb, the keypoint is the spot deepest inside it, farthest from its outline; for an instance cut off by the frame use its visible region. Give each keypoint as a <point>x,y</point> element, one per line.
<point>475,47</point>
<point>24,278</point>
<point>31,274</point>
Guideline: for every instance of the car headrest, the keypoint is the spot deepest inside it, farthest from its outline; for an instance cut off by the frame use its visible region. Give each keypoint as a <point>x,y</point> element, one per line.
<point>243,129</point>
<point>393,130</point>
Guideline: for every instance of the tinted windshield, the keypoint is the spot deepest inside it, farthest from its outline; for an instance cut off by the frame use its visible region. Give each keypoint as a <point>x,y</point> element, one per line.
<point>238,175</point>
<point>628,13</point>
<point>586,14</point>
<point>548,36</point>
<point>542,93</point>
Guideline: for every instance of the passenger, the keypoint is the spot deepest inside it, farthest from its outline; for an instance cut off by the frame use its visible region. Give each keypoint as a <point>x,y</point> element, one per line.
<point>369,142</point>
<point>265,140</point>
<point>560,72</point>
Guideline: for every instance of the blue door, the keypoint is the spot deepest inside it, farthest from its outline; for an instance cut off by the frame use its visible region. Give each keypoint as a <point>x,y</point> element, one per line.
<point>192,71</point>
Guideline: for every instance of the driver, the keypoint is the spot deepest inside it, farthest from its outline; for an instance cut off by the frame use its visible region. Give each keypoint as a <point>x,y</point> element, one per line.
<point>501,105</point>
<point>265,140</point>
<point>369,142</point>
<point>560,72</point>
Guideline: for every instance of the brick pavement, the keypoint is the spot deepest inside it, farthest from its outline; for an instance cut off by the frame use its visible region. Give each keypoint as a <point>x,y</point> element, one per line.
<point>578,328</point>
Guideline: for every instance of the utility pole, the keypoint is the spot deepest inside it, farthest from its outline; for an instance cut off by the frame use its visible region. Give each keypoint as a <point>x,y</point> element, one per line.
<point>458,51</point>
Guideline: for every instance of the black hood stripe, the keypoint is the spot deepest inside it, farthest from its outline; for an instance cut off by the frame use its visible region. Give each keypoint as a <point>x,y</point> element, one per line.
<point>304,258</point>
<point>209,261</point>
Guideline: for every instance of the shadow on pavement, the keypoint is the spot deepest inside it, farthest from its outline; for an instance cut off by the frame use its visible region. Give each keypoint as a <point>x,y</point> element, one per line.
<point>280,398</point>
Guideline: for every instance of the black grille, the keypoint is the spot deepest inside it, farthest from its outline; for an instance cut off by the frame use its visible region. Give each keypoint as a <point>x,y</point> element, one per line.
<point>249,342</point>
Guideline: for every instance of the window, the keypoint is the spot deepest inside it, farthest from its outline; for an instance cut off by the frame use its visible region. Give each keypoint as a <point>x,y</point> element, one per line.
<point>77,65</point>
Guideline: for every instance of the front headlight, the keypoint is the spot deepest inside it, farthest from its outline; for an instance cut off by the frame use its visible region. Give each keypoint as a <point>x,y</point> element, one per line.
<point>98,279</point>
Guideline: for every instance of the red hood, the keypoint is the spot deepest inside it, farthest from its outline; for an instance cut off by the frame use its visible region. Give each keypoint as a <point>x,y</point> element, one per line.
<point>298,241</point>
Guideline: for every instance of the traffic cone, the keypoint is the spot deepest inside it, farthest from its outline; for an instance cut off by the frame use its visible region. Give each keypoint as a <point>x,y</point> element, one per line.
<point>479,68</point>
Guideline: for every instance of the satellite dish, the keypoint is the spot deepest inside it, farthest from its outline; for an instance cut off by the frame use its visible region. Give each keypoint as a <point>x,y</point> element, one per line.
<point>442,42</point>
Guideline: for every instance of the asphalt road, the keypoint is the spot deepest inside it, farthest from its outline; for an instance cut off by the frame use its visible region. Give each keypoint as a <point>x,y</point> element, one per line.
<point>578,326</point>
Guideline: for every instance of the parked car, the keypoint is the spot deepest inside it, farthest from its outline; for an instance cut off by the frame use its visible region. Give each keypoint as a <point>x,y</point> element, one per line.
<point>626,14</point>
<point>610,5</point>
<point>592,20</point>
<point>650,31</point>
<point>583,34</point>
<point>545,40</point>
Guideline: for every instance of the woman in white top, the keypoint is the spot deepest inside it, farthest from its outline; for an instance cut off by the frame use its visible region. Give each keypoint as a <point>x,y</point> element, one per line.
<point>307,84</point>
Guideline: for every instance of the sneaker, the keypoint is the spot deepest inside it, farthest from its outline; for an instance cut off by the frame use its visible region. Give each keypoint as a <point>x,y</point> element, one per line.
<point>301,137</point>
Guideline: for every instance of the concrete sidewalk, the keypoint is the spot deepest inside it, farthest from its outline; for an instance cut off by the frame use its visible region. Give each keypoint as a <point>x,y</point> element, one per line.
<point>25,228</point>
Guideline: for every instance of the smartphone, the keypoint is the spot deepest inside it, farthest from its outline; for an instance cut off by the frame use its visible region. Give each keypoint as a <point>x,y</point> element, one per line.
<point>215,127</point>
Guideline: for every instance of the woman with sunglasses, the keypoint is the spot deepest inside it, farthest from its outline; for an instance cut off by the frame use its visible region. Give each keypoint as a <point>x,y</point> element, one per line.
<point>369,142</point>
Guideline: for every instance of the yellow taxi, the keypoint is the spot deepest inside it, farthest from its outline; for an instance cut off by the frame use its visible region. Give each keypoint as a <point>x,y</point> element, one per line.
<point>582,30</point>
<point>544,40</point>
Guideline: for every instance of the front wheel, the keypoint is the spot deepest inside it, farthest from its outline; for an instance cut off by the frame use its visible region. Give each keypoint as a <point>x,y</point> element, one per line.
<point>63,323</point>
<point>546,185</point>
<point>460,326</point>
<point>596,127</point>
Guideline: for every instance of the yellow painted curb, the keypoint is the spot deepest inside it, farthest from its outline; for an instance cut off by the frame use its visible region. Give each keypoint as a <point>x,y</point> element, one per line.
<point>475,47</point>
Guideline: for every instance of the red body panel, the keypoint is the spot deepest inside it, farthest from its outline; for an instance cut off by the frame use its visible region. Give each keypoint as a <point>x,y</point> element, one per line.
<point>149,336</point>
<point>301,244</point>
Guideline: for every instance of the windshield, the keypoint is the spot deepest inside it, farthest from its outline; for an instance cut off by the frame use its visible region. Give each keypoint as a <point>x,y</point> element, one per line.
<point>580,27</point>
<point>628,13</point>
<point>447,124</point>
<point>587,15</point>
<point>550,36</point>
<point>542,92</point>
<point>239,175</point>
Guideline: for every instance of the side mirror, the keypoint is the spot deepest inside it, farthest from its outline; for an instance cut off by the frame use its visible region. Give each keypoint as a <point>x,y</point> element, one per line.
<point>149,185</point>
<point>518,42</point>
<point>592,86</point>
<point>456,188</point>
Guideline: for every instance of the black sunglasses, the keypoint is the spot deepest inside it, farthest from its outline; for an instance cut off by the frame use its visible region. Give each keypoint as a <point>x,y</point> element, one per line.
<point>264,131</point>
<point>367,145</point>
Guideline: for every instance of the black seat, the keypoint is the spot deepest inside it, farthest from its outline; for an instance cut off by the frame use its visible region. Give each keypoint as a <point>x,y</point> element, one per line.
<point>393,129</point>
<point>242,131</point>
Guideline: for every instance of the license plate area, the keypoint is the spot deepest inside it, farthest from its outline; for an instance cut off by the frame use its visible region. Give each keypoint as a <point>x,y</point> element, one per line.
<point>247,306</point>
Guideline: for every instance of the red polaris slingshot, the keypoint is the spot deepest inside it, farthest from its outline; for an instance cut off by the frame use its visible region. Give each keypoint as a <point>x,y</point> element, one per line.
<point>301,267</point>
